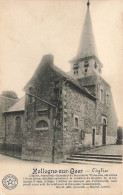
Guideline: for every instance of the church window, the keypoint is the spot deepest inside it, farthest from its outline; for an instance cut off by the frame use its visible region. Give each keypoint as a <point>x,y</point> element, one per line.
<point>18,123</point>
<point>86,64</point>
<point>76,121</point>
<point>86,70</point>
<point>42,125</point>
<point>107,99</point>
<point>101,95</point>
<point>82,135</point>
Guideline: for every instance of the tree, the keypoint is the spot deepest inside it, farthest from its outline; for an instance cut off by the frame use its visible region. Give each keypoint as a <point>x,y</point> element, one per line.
<point>9,94</point>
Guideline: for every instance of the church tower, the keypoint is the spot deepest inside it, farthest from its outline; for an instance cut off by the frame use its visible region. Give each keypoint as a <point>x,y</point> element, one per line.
<point>86,68</point>
<point>86,63</point>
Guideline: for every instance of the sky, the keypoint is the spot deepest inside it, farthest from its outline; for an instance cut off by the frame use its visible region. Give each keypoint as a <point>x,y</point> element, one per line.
<point>30,29</point>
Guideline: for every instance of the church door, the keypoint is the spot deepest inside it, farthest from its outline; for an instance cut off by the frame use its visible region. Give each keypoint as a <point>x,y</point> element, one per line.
<point>104,133</point>
<point>93,137</point>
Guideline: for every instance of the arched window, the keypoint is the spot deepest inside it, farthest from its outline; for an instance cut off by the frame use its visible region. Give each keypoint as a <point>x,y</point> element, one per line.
<point>18,123</point>
<point>42,125</point>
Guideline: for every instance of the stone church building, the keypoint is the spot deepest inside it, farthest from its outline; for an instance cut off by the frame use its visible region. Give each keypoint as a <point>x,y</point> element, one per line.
<point>62,112</point>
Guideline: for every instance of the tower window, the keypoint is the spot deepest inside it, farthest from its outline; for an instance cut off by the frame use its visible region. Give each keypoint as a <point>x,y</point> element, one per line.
<point>75,68</point>
<point>86,64</point>
<point>75,71</point>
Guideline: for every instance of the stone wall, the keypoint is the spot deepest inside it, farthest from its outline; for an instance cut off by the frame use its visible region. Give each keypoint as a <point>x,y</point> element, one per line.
<point>43,144</point>
<point>107,112</point>
<point>76,104</point>
<point>13,135</point>
<point>102,110</point>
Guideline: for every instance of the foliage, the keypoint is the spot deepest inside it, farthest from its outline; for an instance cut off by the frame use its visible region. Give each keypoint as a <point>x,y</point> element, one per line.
<point>9,94</point>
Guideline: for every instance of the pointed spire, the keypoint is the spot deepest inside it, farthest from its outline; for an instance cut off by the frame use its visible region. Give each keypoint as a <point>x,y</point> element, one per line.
<point>88,3</point>
<point>87,45</point>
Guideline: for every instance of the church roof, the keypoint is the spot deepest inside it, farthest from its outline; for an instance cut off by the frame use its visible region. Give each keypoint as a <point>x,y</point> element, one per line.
<point>87,45</point>
<point>18,106</point>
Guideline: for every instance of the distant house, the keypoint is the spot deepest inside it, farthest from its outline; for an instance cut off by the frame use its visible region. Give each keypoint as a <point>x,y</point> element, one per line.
<point>61,112</point>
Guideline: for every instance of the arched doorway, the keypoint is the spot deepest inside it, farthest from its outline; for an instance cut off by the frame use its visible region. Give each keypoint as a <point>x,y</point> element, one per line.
<point>104,132</point>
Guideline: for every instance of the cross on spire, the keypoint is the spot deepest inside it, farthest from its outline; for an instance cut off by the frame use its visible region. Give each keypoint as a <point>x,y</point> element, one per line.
<point>88,3</point>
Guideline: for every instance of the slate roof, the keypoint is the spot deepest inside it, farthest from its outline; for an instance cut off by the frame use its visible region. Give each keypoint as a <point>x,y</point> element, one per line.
<point>87,45</point>
<point>91,80</point>
<point>18,106</point>
<point>6,103</point>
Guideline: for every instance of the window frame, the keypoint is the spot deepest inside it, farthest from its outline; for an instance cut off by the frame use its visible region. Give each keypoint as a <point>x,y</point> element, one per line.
<point>82,134</point>
<point>18,129</point>
<point>76,117</point>
<point>107,99</point>
<point>102,95</point>
<point>41,128</point>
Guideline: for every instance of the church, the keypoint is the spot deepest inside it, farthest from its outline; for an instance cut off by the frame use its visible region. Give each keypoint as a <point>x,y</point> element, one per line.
<point>62,112</point>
